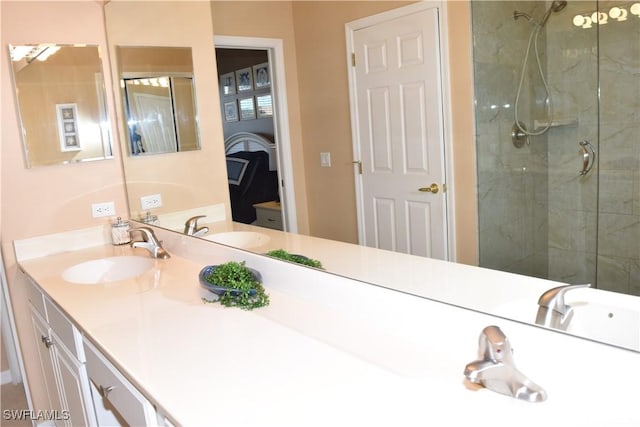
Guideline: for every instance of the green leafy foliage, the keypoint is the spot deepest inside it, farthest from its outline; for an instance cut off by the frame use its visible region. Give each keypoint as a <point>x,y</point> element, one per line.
<point>298,259</point>
<point>234,275</point>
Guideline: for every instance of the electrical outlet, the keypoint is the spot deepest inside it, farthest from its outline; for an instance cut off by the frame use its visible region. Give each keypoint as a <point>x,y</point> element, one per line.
<point>151,201</point>
<point>100,210</point>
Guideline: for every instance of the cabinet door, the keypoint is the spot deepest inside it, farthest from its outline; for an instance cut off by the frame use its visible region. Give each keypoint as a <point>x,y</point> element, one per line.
<point>48,365</point>
<point>75,383</point>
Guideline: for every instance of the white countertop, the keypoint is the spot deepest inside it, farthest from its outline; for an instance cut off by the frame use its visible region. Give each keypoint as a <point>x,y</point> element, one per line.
<point>509,295</point>
<point>326,351</point>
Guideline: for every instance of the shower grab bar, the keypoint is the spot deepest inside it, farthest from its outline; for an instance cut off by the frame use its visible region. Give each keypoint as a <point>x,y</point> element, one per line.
<point>588,157</point>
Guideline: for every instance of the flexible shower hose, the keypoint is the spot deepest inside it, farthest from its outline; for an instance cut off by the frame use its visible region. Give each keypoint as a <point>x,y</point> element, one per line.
<point>534,37</point>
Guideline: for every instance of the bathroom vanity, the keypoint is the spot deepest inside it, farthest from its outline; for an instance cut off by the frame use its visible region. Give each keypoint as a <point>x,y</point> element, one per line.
<point>327,350</point>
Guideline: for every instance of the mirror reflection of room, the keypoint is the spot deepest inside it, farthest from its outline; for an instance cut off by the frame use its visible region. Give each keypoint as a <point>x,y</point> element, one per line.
<point>246,103</point>
<point>60,92</point>
<point>159,101</point>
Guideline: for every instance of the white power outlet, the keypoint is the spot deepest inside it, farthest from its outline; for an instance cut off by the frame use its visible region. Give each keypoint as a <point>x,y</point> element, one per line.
<point>100,210</point>
<point>151,201</point>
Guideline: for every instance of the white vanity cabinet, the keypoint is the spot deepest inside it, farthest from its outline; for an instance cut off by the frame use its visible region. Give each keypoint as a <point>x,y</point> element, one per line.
<point>115,399</point>
<point>61,363</point>
<point>82,386</point>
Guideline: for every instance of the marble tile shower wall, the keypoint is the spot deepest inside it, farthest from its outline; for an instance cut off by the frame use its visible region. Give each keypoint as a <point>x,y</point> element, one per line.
<point>619,187</point>
<point>572,71</point>
<point>512,215</point>
<point>537,215</point>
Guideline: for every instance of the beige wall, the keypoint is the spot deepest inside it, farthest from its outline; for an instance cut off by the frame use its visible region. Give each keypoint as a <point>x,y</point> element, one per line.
<point>187,179</point>
<point>54,198</point>
<point>463,132</point>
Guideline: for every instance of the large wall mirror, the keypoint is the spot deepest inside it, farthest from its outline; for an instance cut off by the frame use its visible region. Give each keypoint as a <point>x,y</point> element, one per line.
<point>382,272</point>
<point>159,99</point>
<point>61,100</point>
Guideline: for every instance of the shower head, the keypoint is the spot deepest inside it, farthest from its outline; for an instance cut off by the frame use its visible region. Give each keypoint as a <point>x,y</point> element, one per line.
<point>556,6</point>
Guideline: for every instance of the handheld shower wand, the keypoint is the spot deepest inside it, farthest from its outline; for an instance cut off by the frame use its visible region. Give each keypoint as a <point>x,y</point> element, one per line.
<point>519,131</point>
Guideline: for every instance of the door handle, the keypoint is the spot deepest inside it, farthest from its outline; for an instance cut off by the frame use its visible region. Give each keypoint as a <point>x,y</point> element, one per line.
<point>433,189</point>
<point>588,157</point>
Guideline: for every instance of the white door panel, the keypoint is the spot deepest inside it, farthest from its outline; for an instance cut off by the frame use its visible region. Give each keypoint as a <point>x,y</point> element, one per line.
<point>400,125</point>
<point>385,224</point>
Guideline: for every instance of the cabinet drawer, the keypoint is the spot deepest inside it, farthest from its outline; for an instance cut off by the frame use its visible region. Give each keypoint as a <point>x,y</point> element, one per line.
<point>35,296</point>
<point>131,405</point>
<point>64,329</point>
<point>269,218</point>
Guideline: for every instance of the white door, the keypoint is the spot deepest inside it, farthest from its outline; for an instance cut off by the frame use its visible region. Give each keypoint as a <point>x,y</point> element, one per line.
<point>399,115</point>
<point>155,116</point>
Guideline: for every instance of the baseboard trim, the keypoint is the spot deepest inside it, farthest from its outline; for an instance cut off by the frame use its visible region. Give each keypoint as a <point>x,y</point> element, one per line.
<point>5,377</point>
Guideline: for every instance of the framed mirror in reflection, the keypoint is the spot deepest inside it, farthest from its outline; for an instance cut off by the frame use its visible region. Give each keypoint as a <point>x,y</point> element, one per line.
<point>158,99</point>
<point>61,102</point>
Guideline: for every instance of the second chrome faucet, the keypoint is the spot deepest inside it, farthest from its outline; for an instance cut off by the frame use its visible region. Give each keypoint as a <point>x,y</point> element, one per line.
<point>553,312</point>
<point>191,227</point>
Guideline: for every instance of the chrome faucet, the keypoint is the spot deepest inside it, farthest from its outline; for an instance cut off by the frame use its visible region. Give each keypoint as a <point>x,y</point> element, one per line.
<point>150,242</point>
<point>496,370</point>
<point>191,227</point>
<point>552,310</point>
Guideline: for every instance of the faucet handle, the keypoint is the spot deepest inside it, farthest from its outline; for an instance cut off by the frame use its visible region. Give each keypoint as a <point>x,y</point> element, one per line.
<point>149,242</point>
<point>554,298</point>
<point>191,225</point>
<point>147,233</point>
<point>495,346</point>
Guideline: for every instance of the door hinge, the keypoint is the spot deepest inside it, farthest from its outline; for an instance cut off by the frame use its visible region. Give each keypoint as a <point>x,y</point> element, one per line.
<point>359,163</point>
<point>353,59</point>
<point>444,188</point>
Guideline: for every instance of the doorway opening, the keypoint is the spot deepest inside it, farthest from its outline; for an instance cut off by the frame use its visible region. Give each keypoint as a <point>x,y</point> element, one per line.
<point>255,124</point>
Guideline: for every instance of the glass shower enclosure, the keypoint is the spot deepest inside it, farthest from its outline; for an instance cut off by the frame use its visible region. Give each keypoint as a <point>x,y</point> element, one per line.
<point>557,105</point>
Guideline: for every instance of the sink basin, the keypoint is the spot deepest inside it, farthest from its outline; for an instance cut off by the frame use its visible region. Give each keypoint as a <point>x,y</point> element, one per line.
<point>105,270</point>
<point>598,315</point>
<point>240,239</point>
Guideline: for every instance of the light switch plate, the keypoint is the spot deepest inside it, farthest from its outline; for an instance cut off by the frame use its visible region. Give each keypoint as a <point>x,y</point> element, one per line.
<point>325,159</point>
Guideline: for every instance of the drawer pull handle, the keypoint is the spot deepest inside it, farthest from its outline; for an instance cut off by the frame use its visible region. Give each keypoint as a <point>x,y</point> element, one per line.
<point>104,391</point>
<point>48,342</point>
